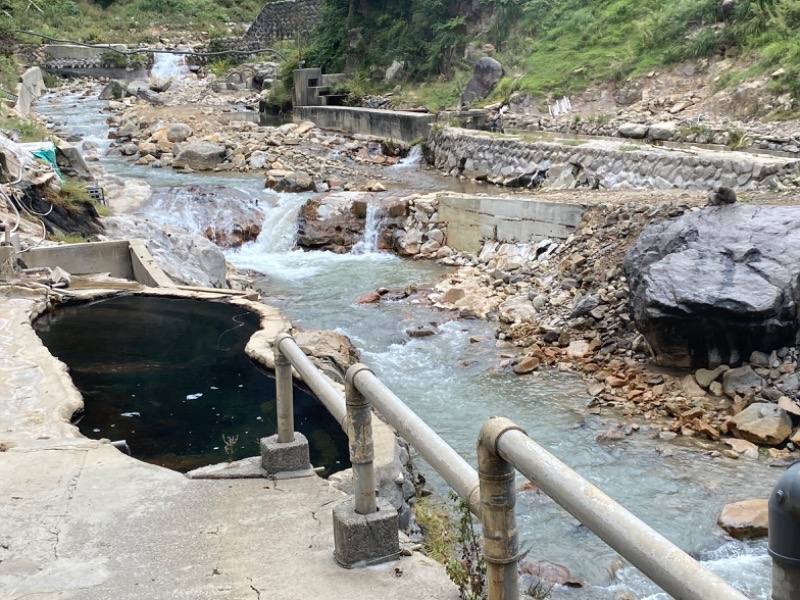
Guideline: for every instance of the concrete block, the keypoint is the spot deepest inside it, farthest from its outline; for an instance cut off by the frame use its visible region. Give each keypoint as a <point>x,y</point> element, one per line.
<point>363,540</point>
<point>277,457</point>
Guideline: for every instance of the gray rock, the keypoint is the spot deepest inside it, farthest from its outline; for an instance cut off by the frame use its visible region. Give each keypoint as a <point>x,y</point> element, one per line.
<point>200,156</point>
<point>711,286</point>
<point>759,359</point>
<point>741,381</point>
<point>632,130</point>
<point>631,93</point>
<point>762,424</point>
<point>141,89</point>
<point>585,306</point>
<point>706,377</point>
<point>488,72</point>
<point>662,131</point>
<point>294,182</point>
<point>179,132</point>
<point>114,90</point>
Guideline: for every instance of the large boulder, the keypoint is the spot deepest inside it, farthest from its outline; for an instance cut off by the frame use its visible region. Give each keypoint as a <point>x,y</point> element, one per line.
<point>292,182</point>
<point>487,73</point>
<point>711,286</point>
<point>200,156</point>
<point>337,220</point>
<point>114,90</point>
<point>762,423</point>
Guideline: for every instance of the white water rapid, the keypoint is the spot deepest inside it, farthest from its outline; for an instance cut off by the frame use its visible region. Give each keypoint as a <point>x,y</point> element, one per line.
<point>453,381</point>
<point>169,67</point>
<point>372,232</point>
<point>413,159</point>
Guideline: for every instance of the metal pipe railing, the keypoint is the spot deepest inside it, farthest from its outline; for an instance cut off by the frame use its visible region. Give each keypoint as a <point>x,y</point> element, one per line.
<point>448,463</point>
<point>663,562</point>
<point>313,378</point>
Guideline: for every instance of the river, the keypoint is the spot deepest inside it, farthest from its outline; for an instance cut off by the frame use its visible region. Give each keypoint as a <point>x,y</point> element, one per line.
<point>453,382</point>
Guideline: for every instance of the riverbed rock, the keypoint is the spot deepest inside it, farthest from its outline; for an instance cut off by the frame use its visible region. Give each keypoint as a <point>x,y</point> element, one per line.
<point>199,156</point>
<point>292,182</point>
<point>488,71</point>
<point>762,423</point>
<point>114,90</point>
<point>632,130</point>
<point>662,131</point>
<point>549,573</point>
<point>705,377</point>
<point>178,132</point>
<point>742,380</point>
<point>745,520</point>
<point>141,89</point>
<point>711,286</point>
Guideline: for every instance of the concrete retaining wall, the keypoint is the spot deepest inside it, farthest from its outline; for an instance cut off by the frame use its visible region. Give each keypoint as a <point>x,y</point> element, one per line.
<point>281,21</point>
<point>31,87</point>
<point>59,56</point>
<point>510,160</point>
<point>472,219</point>
<point>389,124</point>
<point>127,260</point>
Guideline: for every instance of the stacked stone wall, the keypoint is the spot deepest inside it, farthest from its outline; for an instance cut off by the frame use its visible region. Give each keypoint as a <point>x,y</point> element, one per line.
<point>282,21</point>
<point>512,161</point>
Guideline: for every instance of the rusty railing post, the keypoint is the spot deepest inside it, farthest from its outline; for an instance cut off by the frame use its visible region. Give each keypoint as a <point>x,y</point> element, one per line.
<point>498,499</point>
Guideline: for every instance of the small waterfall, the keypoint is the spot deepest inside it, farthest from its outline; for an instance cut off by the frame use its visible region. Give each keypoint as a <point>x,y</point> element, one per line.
<point>372,232</point>
<point>169,67</point>
<point>413,159</point>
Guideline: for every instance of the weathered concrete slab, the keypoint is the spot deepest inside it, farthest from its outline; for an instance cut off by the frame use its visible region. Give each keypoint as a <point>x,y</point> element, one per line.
<point>471,219</point>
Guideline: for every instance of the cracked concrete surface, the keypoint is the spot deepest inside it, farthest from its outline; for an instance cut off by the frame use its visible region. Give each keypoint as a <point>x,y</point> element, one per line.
<point>81,520</point>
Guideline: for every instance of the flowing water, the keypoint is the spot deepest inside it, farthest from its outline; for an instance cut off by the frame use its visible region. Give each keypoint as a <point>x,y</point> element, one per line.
<point>453,382</point>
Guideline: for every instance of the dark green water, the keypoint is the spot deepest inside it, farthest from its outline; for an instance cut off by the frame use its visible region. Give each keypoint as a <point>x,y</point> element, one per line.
<point>170,376</point>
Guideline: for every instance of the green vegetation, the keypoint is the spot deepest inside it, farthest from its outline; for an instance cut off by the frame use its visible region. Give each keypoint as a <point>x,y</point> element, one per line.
<point>28,130</point>
<point>552,47</point>
<point>738,138</point>
<point>118,21</point>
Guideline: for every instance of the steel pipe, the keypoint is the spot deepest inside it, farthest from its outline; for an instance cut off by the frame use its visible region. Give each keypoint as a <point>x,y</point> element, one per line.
<point>362,449</point>
<point>456,471</point>
<point>284,392</point>
<point>314,379</point>
<point>663,562</point>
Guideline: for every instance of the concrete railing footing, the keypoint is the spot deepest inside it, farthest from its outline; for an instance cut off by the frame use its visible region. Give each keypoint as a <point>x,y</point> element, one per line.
<point>368,539</point>
<point>278,457</point>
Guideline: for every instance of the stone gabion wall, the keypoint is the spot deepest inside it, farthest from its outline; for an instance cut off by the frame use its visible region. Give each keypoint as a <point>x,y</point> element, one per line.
<point>281,21</point>
<point>513,162</point>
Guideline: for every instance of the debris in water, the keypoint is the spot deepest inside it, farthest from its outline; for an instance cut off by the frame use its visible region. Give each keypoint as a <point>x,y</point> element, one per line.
<point>131,414</point>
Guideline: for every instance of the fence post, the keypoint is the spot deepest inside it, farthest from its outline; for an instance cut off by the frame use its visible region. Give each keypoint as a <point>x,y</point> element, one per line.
<point>784,535</point>
<point>498,498</point>
<point>286,451</point>
<point>365,528</point>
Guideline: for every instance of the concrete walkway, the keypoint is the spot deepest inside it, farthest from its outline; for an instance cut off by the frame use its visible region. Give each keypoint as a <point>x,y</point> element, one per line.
<point>81,520</point>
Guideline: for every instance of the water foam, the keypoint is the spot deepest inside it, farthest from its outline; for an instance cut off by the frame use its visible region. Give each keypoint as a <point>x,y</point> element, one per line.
<point>169,67</point>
